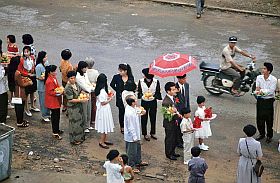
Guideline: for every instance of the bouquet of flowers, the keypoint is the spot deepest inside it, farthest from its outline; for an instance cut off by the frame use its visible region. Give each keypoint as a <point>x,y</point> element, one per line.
<point>197,122</point>
<point>208,112</point>
<point>168,112</point>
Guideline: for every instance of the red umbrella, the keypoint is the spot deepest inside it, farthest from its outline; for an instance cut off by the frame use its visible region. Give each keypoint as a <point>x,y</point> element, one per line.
<point>174,64</point>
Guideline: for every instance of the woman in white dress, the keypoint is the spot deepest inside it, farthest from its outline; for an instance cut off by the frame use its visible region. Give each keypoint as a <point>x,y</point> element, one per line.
<point>276,124</point>
<point>249,151</point>
<point>103,120</point>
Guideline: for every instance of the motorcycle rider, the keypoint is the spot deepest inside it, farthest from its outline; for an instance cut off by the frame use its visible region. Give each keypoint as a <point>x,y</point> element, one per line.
<point>229,66</point>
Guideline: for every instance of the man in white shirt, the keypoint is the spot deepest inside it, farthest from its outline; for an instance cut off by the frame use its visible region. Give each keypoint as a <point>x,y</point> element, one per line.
<point>265,83</point>
<point>230,67</point>
<point>132,134</point>
<point>3,94</point>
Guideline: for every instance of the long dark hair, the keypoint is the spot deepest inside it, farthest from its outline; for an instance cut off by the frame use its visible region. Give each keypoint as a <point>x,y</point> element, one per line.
<point>26,48</point>
<point>12,67</point>
<point>101,83</point>
<point>126,67</point>
<point>40,58</point>
<point>81,65</point>
<point>49,68</point>
<point>1,48</point>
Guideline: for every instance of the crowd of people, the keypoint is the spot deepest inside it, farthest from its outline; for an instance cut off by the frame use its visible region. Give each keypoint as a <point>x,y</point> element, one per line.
<point>85,98</point>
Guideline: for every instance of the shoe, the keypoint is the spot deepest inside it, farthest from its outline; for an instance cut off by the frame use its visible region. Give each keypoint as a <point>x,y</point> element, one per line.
<point>91,128</point>
<point>28,113</point>
<point>176,155</point>
<point>180,146</point>
<point>108,143</point>
<point>260,137</point>
<point>143,163</point>
<point>171,157</point>
<point>8,117</point>
<point>87,131</point>
<point>46,119</point>
<point>198,16</point>
<point>35,109</point>
<point>202,11</point>
<point>154,137</point>
<point>202,147</point>
<point>10,106</point>
<point>205,146</point>
<point>61,132</point>
<point>186,162</point>
<point>147,138</point>
<point>64,109</point>
<point>57,137</point>
<point>103,146</point>
<point>268,140</point>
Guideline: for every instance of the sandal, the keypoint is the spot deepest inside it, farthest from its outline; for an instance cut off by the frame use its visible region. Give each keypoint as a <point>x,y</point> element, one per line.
<point>57,137</point>
<point>76,143</point>
<point>136,170</point>
<point>103,146</point>
<point>23,124</point>
<point>108,143</point>
<point>147,138</point>
<point>143,163</point>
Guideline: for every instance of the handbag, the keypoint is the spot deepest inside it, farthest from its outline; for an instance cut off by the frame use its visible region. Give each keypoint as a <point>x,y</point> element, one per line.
<point>258,167</point>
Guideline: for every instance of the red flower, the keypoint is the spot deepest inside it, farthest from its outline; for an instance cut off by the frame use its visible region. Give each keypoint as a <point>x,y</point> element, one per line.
<point>197,122</point>
<point>208,112</point>
<point>177,100</point>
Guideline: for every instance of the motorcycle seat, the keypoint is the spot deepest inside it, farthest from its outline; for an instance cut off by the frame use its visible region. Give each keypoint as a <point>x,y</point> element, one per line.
<point>209,67</point>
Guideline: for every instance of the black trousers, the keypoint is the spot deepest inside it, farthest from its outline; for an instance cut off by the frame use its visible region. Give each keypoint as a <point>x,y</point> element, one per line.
<point>170,141</point>
<point>121,116</point>
<point>179,135</point>
<point>55,118</point>
<point>19,109</point>
<point>265,114</point>
<point>151,110</point>
<point>3,107</point>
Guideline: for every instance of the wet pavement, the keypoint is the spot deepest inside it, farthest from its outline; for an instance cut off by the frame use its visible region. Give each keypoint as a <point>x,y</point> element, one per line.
<point>135,32</point>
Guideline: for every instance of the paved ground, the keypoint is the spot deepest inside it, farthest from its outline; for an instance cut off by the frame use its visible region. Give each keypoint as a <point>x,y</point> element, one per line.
<point>135,32</point>
<point>264,6</point>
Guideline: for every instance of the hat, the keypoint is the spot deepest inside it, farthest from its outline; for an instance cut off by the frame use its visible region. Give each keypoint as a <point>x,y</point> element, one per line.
<point>200,99</point>
<point>145,71</point>
<point>112,154</point>
<point>249,130</point>
<point>232,39</point>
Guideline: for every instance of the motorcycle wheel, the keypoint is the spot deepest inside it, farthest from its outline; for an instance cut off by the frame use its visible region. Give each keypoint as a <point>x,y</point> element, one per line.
<point>208,82</point>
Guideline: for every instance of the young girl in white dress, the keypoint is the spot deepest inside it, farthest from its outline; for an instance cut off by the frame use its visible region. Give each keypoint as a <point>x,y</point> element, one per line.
<point>205,130</point>
<point>103,120</point>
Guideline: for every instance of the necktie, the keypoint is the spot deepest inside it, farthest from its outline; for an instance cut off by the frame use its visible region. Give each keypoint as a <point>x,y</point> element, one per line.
<point>183,91</point>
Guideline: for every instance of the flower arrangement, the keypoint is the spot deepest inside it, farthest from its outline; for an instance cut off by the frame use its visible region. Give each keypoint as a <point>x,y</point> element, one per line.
<point>197,122</point>
<point>168,112</point>
<point>208,112</point>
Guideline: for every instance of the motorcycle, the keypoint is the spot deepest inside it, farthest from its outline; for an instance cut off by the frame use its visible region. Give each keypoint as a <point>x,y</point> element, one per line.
<point>217,83</point>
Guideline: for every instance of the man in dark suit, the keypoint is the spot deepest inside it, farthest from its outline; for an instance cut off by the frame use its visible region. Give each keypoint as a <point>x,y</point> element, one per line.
<point>184,102</point>
<point>184,90</point>
<point>170,126</point>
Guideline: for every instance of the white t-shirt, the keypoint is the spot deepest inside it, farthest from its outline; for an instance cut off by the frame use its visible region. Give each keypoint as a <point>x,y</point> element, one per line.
<point>186,125</point>
<point>113,172</point>
<point>227,56</point>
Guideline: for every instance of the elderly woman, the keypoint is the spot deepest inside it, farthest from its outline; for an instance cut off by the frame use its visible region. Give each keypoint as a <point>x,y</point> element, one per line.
<point>75,110</point>
<point>250,151</point>
<point>92,77</point>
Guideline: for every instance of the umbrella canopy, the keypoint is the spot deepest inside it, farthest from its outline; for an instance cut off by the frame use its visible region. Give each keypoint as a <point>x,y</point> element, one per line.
<point>174,64</point>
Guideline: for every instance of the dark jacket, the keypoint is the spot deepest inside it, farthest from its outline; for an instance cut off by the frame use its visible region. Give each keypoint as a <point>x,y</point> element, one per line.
<point>185,99</point>
<point>118,85</point>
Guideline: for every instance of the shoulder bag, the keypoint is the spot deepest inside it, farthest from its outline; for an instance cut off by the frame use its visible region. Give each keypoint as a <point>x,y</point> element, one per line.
<point>258,167</point>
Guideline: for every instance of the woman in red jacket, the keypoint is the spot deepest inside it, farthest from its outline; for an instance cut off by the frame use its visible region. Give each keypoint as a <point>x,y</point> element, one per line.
<point>53,99</point>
